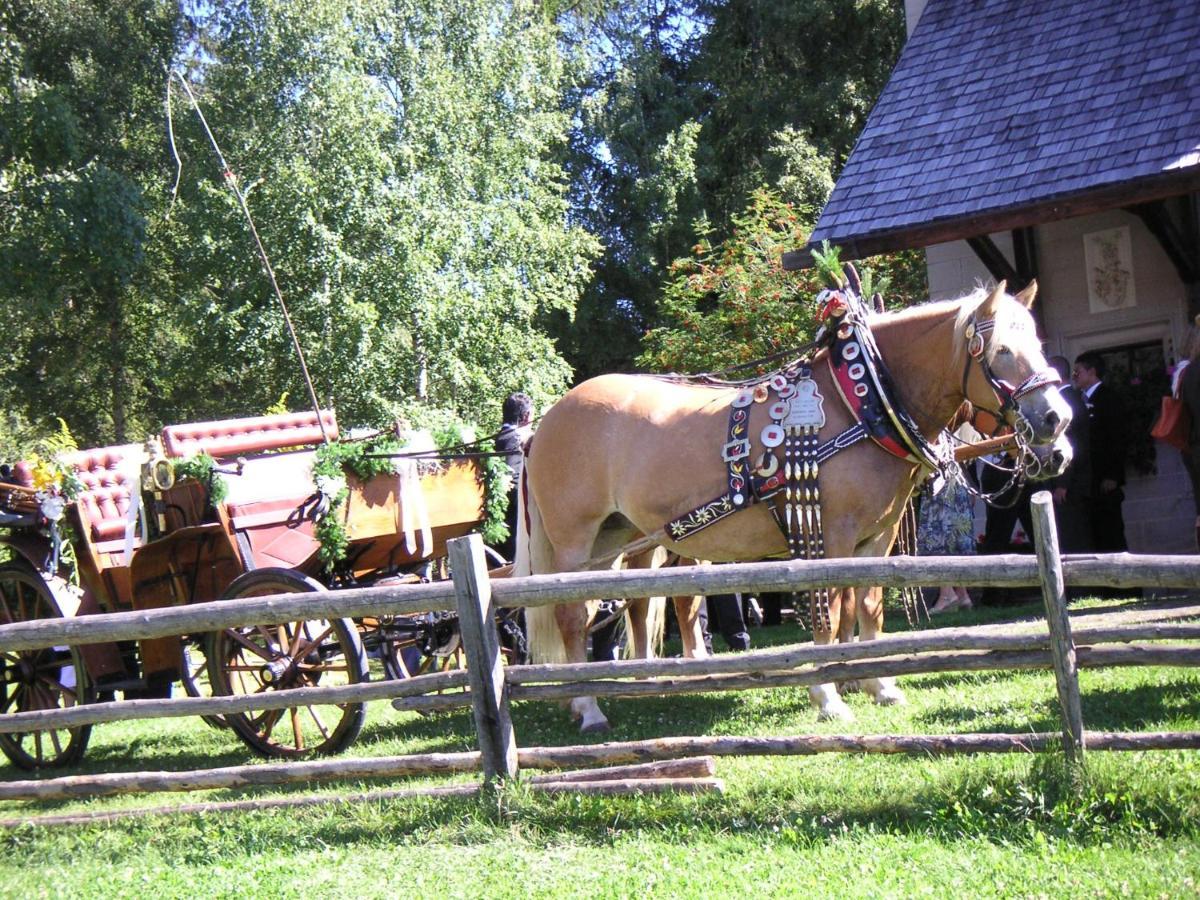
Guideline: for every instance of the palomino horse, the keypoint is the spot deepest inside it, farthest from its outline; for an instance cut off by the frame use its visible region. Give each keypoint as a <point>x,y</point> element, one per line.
<point>623,454</point>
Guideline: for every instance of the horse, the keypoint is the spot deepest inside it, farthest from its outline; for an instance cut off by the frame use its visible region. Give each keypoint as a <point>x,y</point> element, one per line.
<point>620,455</point>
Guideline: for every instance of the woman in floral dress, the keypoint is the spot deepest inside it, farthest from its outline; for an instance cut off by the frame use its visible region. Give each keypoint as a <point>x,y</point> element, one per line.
<point>947,528</point>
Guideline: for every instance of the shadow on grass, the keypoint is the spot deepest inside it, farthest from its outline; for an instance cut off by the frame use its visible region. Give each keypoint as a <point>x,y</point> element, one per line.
<point>1150,706</point>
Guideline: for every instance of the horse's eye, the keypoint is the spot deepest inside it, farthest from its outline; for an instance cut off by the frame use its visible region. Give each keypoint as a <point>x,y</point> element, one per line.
<point>1002,350</point>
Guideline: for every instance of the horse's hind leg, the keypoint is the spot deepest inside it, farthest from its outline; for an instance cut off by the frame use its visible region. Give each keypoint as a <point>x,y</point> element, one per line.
<point>687,613</point>
<point>644,615</point>
<point>573,619</point>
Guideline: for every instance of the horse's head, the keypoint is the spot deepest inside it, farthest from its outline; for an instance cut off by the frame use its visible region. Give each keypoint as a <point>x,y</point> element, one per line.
<point>1004,371</point>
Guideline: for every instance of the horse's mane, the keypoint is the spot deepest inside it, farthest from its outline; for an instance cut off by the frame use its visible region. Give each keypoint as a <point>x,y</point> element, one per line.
<point>962,307</point>
<point>936,310</point>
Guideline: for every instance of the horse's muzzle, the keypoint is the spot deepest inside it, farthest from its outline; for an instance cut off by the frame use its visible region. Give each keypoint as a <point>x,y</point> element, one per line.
<point>1050,460</point>
<point>1046,416</point>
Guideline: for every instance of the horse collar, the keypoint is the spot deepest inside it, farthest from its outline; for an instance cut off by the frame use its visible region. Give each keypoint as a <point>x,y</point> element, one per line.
<point>869,392</point>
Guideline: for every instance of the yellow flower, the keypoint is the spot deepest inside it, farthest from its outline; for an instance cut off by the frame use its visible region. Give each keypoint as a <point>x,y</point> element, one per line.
<point>45,474</point>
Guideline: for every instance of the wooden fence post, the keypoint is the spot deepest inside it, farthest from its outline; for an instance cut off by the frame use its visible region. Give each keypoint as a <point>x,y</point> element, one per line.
<point>485,668</point>
<point>1062,647</point>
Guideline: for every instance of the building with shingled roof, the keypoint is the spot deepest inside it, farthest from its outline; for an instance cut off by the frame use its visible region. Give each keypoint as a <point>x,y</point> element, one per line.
<point>1056,139</point>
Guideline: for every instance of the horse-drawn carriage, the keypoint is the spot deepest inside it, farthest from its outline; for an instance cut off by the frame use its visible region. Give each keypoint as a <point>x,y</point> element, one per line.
<point>149,528</point>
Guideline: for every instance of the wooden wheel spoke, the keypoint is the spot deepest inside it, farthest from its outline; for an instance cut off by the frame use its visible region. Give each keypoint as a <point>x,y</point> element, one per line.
<point>52,686</point>
<point>58,747</point>
<point>302,651</point>
<point>297,732</point>
<point>254,648</point>
<point>270,718</point>
<point>321,727</point>
<point>21,697</point>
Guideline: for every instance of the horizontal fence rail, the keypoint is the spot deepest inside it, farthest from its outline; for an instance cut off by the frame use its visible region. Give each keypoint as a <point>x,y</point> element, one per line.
<point>1005,570</point>
<point>1068,645</point>
<point>888,655</point>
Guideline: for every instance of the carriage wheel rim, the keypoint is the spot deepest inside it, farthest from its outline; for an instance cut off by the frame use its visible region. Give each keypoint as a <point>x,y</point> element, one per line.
<point>303,653</point>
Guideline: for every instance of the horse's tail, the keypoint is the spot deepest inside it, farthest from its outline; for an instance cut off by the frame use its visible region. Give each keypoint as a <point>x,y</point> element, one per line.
<point>521,555</point>
<point>545,639</point>
<point>656,627</point>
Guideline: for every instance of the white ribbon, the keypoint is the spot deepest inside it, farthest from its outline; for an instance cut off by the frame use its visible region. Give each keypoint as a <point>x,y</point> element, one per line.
<point>132,515</point>
<point>412,506</point>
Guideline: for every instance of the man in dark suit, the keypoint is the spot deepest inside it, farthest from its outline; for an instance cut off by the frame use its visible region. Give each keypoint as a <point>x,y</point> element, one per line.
<point>515,431</point>
<point>1107,421</point>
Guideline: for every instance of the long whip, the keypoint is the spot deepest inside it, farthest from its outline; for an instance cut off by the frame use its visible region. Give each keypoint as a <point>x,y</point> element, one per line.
<point>231,180</point>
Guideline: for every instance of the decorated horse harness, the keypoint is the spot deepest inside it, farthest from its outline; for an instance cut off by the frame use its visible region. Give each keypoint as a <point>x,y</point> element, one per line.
<point>797,415</point>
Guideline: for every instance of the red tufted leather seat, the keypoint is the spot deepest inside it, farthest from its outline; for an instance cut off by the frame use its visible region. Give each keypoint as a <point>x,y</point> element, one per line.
<point>229,438</point>
<point>108,474</point>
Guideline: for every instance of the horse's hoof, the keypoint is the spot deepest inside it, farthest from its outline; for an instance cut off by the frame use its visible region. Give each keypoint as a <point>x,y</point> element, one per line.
<point>891,696</point>
<point>595,727</point>
<point>831,711</point>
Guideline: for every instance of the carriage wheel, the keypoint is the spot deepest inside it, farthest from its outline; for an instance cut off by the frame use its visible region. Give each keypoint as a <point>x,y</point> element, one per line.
<point>193,668</point>
<point>419,645</point>
<point>30,680</point>
<point>283,656</point>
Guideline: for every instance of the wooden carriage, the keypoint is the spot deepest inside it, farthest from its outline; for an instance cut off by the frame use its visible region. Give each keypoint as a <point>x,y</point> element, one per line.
<point>180,548</point>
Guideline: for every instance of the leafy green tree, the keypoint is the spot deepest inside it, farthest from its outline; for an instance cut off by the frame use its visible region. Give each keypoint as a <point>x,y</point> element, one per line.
<point>813,68</point>
<point>633,168</point>
<point>731,303</point>
<point>79,80</point>
<point>400,160</point>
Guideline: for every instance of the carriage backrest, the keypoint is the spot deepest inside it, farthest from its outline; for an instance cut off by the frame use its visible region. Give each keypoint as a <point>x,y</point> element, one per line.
<point>109,476</point>
<point>229,438</point>
<point>263,499</point>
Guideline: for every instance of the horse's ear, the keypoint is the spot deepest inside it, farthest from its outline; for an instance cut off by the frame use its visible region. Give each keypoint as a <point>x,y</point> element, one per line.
<point>1028,294</point>
<point>987,309</point>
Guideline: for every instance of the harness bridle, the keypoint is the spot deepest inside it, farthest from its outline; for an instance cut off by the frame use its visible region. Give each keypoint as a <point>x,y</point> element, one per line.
<point>1008,397</point>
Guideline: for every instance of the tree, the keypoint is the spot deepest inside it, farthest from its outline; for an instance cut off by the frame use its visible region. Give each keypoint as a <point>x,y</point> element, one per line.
<point>815,68</point>
<point>731,303</point>
<point>400,159</point>
<point>632,164</point>
<point>78,80</point>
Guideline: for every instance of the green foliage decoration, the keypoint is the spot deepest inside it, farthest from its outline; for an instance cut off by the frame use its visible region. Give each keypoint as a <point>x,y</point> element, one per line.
<point>496,481</point>
<point>201,468</point>
<point>366,459</point>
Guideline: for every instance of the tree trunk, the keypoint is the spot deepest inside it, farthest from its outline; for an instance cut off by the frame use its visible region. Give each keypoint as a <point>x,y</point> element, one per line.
<point>118,371</point>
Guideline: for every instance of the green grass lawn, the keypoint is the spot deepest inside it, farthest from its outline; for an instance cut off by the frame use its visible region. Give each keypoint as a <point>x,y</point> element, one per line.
<point>829,825</point>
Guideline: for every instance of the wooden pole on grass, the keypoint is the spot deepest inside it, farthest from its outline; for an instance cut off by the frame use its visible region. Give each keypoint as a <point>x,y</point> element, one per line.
<point>1062,647</point>
<point>485,668</point>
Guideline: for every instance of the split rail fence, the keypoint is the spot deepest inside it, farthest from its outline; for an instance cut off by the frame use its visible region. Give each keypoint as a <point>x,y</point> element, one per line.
<point>487,686</point>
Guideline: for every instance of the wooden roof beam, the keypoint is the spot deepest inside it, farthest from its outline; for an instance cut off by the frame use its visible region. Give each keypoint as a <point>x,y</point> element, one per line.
<point>1179,243</point>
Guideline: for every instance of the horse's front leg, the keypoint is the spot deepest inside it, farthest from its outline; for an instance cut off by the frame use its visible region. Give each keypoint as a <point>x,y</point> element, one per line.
<point>825,696</point>
<point>870,625</point>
